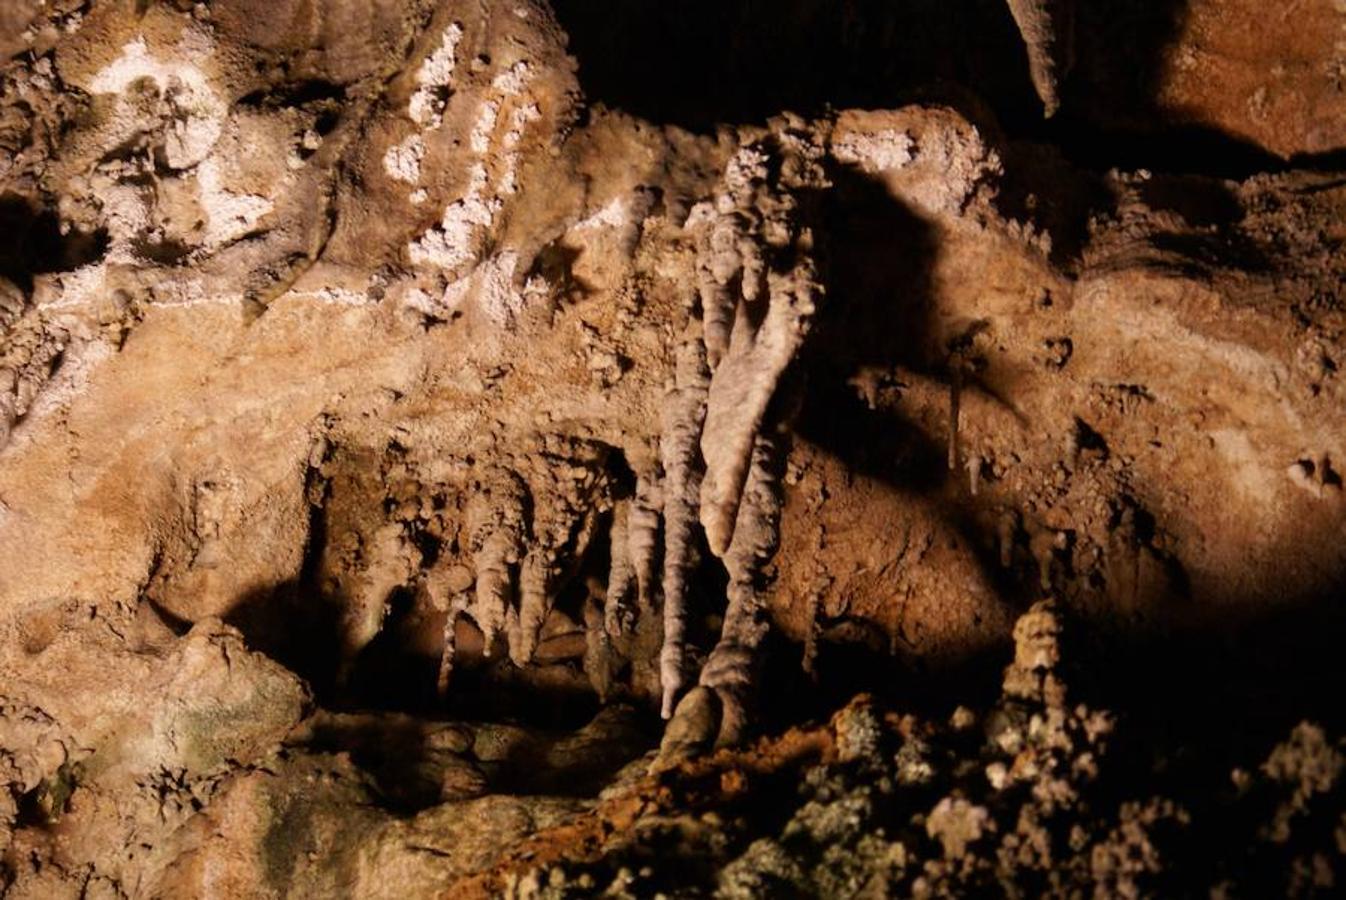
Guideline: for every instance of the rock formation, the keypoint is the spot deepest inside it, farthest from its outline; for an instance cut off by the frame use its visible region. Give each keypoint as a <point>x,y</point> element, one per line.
<point>414,460</point>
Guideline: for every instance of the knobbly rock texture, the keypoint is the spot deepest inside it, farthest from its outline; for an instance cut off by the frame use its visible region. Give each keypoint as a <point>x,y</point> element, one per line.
<point>96,778</point>
<point>1021,799</point>
<point>405,448</point>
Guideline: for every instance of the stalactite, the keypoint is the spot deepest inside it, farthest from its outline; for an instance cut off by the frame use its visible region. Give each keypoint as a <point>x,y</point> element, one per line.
<point>751,238</point>
<point>618,613</point>
<point>447,651</point>
<point>739,394</point>
<point>684,414</point>
<point>758,289</point>
<point>761,342</point>
<point>496,524</point>
<point>1047,27</point>
<point>721,278</point>
<point>643,537</point>
<point>598,652</point>
<point>536,576</point>
<point>635,549</point>
<point>731,669</point>
<point>569,495</point>
<point>457,607</point>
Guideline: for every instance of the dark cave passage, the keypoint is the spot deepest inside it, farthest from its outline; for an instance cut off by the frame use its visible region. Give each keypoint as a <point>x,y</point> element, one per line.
<point>701,63</point>
<point>704,63</point>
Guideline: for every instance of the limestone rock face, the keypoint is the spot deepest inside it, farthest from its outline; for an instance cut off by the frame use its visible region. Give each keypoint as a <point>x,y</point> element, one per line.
<point>395,428</point>
<point>1270,77</point>
<point>115,733</point>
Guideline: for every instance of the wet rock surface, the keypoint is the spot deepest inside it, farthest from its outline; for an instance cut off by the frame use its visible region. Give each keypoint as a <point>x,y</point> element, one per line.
<point>441,443</point>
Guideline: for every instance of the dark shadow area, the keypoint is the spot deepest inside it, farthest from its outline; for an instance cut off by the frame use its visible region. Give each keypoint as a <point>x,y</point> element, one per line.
<point>552,695</point>
<point>1228,686</point>
<point>1158,146</point>
<point>389,673</point>
<point>1042,187</point>
<point>1202,202</point>
<point>702,63</point>
<point>297,623</point>
<point>1243,682</point>
<point>296,628</point>
<point>416,762</point>
<point>850,662</point>
<point>1119,58</point>
<point>699,63</point>
<point>879,257</point>
<point>392,749</point>
<point>576,762</point>
<point>34,243</point>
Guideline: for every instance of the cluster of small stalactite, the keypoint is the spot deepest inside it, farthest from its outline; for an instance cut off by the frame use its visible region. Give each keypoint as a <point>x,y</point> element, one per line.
<point>723,432</point>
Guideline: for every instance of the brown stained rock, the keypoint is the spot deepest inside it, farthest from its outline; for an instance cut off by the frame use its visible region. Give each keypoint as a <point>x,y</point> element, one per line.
<point>16,20</point>
<point>844,558</point>
<point>1275,77</point>
<point>1267,78</point>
